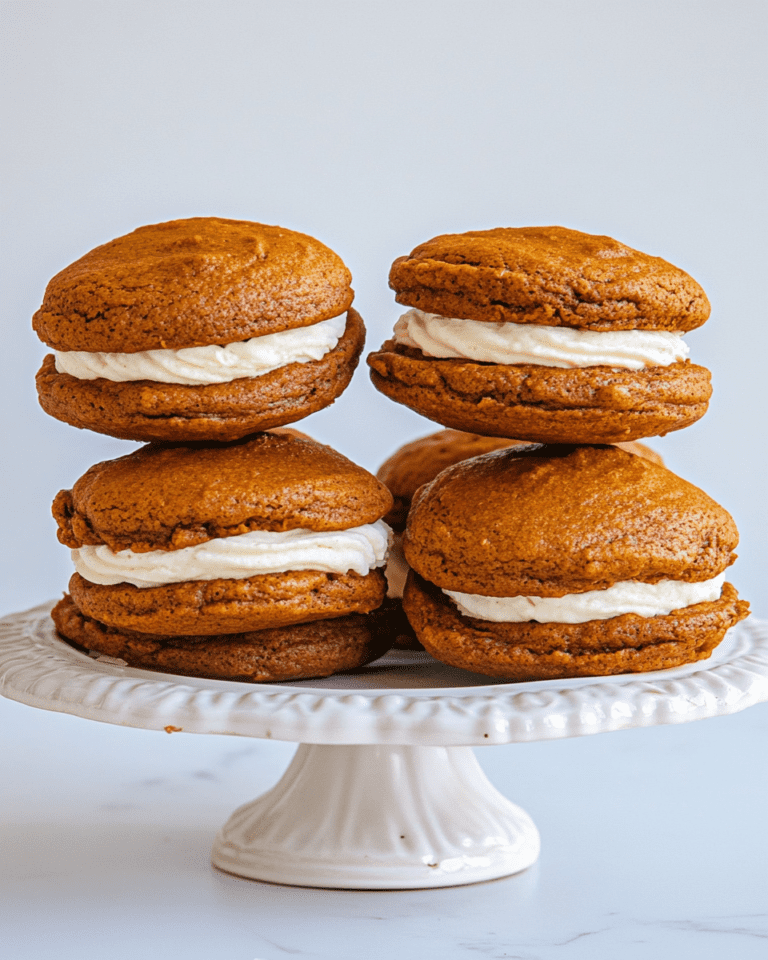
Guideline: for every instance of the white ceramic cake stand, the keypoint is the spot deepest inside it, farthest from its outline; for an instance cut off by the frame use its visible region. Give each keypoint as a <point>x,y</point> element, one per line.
<point>384,790</point>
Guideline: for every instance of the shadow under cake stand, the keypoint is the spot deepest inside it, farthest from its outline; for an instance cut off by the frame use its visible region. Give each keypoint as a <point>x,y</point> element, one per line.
<point>384,791</point>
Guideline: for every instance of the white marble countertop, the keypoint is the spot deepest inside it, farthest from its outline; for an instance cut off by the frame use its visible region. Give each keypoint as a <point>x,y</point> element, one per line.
<point>654,844</point>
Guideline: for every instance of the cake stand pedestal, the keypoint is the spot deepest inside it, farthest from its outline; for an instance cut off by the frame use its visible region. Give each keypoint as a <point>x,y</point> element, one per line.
<point>384,791</point>
<point>378,817</point>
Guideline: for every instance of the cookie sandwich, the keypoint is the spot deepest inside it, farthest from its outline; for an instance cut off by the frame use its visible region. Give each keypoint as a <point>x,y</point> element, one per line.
<point>199,329</point>
<point>544,334</point>
<point>257,559</point>
<point>539,562</point>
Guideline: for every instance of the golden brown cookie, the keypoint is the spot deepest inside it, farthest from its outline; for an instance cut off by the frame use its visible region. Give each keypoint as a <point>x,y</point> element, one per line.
<point>298,652</point>
<point>560,522</point>
<point>168,496</point>
<point>546,277</point>
<point>188,283</point>
<point>209,607</point>
<point>544,404</point>
<point>224,510</point>
<point>549,521</point>
<point>193,284</point>
<point>545,651</point>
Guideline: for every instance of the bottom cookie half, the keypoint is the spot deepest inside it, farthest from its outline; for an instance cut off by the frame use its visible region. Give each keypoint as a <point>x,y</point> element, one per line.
<point>212,607</point>
<point>546,651</point>
<point>298,652</point>
<point>544,404</point>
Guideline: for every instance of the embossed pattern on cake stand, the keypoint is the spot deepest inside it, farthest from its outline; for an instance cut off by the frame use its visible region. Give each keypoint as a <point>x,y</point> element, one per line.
<point>384,790</point>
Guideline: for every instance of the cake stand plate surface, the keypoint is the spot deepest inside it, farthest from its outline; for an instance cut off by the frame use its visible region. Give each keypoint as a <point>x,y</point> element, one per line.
<point>384,790</point>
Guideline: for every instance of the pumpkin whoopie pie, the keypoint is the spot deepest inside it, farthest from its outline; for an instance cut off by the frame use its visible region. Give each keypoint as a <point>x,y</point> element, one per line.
<point>538,562</point>
<point>212,556</point>
<point>544,334</point>
<point>199,329</point>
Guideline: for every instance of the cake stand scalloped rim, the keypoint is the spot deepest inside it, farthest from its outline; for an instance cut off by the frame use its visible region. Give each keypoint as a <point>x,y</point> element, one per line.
<point>38,669</point>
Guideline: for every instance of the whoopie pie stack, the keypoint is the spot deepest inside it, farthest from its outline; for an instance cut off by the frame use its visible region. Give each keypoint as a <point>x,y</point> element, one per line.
<point>218,549</point>
<point>233,546</point>
<point>566,552</point>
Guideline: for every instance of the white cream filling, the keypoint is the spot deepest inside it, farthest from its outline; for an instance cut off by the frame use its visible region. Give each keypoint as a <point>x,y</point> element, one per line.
<point>510,343</point>
<point>197,366</point>
<point>629,596</point>
<point>358,549</point>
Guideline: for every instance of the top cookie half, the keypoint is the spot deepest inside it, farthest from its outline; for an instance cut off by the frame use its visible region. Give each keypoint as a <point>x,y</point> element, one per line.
<point>189,283</point>
<point>548,275</point>
<point>171,496</point>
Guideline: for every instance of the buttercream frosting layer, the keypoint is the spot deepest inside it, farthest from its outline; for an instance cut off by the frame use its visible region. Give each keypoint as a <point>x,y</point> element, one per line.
<point>358,550</point>
<point>516,343</point>
<point>198,366</point>
<point>629,596</point>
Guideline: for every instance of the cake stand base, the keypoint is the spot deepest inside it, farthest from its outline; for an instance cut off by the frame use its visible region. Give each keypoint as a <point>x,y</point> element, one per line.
<point>378,817</point>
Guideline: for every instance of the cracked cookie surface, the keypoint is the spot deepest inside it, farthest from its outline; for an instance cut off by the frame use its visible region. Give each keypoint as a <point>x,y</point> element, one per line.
<point>548,275</point>
<point>209,607</point>
<point>543,404</point>
<point>420,461</point>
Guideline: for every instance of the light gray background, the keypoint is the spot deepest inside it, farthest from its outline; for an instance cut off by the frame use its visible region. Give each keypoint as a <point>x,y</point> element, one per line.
<point>374,126</point>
